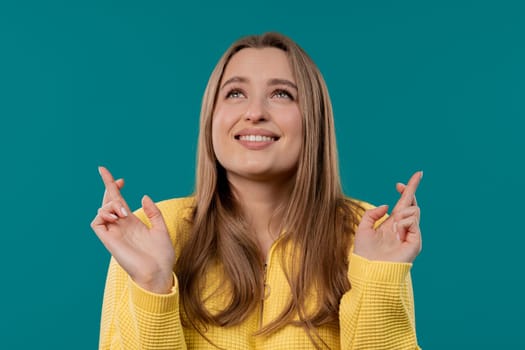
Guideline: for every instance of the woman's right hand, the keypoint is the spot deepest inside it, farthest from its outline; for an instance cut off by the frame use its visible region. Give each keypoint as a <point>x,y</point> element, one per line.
<point>146,254</point>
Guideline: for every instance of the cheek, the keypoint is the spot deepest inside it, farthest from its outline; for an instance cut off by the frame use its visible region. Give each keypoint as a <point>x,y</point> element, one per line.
<point>215,135</point>
<point>295,128</point>
<point>299,136</point>
<point>223,120</point>
<point>220,128</point>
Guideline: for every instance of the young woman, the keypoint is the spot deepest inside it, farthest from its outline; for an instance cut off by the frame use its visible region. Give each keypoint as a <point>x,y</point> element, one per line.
<point>268,253</point>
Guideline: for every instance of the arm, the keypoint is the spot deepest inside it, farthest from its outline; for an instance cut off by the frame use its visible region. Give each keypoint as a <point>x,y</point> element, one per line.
<point>140,309</point>
<point>378,312</point>
<point>133,318</point>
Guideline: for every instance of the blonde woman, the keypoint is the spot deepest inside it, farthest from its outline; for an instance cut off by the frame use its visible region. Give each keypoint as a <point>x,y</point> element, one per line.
<point>268,253</point>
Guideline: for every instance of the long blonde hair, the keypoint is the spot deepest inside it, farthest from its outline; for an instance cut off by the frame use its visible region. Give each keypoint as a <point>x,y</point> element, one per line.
<point>318,220</point>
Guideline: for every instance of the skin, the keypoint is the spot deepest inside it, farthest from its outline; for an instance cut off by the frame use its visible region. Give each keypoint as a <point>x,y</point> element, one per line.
<point>397,239</point>
<point>261,177</point>
<point>146,254</point>
<point>258,95</point>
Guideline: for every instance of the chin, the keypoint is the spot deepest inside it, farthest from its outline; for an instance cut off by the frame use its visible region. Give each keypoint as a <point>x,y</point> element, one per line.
<point>263,174</point>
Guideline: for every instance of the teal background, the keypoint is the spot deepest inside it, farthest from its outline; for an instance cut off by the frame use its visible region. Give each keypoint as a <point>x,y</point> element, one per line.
<point>431,85</point>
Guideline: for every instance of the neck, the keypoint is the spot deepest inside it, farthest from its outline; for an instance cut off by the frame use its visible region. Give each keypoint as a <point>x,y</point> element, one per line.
<point>259,201</point>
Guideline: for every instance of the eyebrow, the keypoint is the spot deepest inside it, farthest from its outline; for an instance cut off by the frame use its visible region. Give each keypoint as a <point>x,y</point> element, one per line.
<point>282,82</point>
<point>271,82</point>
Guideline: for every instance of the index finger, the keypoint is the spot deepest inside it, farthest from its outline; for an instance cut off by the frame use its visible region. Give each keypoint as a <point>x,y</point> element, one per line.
<point>401,187</point>
<point>408,196</point>
<point>119,183</point>
<point>112,192</point>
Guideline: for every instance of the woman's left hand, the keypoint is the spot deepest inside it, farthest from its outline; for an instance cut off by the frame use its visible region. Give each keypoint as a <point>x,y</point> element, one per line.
<point>398,238</point>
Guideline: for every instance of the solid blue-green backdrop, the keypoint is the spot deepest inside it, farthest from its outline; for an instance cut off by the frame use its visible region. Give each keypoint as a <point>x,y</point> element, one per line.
<point>433,85</point>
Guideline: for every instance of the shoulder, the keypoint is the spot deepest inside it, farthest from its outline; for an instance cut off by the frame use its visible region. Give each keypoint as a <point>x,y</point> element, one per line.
<point>358,208</point>
<point>173,210</point>
<point>180,207</point>
<point>357,205</point>
<point>177,214</point>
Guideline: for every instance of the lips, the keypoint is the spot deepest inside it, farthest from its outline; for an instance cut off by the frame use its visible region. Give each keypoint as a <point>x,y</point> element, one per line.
<point>256,135</point>
<point>256,139</point>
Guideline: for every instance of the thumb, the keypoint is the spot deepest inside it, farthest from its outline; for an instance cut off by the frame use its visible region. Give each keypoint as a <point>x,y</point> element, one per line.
<point>371,216</point>
<point>153,213</point>
<point>120,183</point>
<point>400,187</point>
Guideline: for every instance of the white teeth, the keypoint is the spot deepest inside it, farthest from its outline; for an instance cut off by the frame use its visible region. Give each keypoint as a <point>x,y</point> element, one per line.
<point>256,138</point>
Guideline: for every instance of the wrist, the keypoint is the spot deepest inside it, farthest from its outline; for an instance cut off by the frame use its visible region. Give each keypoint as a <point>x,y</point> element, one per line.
<point>159,285</point>
<point>152,302</point>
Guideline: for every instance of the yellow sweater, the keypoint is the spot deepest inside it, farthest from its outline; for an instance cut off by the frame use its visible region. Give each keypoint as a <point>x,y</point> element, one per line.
<point>377,313</point>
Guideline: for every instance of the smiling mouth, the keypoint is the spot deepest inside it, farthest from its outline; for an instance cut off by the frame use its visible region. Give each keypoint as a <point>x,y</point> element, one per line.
<point>256,138</point>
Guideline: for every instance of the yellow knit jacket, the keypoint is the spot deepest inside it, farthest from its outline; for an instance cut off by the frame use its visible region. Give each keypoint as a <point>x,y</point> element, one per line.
<point>376,313</point>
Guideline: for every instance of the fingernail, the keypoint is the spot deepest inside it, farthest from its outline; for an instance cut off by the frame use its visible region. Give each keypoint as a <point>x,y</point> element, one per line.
<point>113,216</point>
<point>124,211</point>
<point>421,174</point>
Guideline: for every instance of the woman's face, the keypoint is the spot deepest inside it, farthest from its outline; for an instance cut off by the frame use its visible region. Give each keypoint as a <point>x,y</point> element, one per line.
<point>257,127</point>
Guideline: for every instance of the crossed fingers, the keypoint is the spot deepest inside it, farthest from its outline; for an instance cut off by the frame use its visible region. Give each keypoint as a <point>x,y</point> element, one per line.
<point>113,207</point>
<point>112,192</point>
<point>408,193</point>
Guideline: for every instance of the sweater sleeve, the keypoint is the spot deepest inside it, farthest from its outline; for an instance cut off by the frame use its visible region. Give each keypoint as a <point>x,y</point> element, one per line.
<point>378,311</point>
<point>133,318</point>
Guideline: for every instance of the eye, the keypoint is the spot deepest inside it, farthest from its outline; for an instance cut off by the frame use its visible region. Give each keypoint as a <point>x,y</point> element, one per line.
<point>235,93</point>
<point>282,93</point>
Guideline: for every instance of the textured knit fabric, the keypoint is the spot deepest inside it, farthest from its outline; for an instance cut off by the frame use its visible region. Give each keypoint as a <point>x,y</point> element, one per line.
<point>377,312</point>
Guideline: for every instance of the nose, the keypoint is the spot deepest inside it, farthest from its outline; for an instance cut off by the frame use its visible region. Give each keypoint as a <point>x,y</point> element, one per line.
<point>256,111</point>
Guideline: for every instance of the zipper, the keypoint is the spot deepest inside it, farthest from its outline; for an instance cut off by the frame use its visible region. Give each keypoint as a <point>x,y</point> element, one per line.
<point>263,297</point>
<point>266,287</point>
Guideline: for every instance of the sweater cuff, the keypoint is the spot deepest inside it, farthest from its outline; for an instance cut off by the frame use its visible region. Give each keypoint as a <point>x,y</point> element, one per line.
<point>364,270</point>
<point>152,302</point>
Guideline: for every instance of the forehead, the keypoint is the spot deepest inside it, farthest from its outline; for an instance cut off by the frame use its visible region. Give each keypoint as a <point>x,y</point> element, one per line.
<point>259,64</point>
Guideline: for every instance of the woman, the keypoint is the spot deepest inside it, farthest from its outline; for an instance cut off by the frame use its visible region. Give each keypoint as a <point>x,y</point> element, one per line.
<point>268,253</point>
